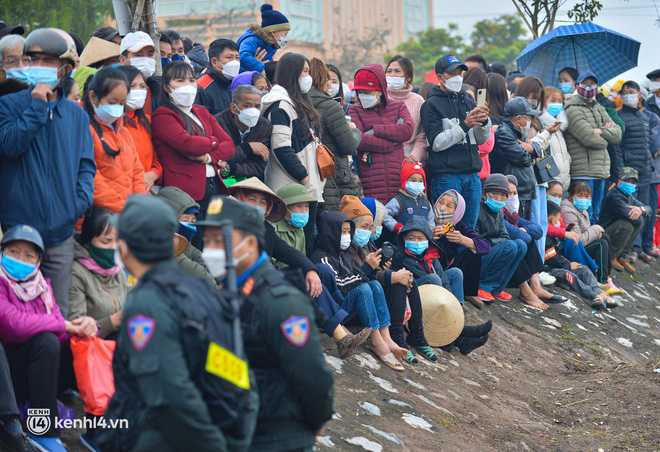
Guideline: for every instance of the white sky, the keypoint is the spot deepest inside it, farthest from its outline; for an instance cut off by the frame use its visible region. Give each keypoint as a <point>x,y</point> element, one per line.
<point>634,18</point>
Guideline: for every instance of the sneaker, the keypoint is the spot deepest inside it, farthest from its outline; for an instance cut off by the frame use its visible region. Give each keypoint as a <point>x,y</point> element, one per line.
<point>11,434</point>
<point>547,279</point>
<point>485,296</point>
<point>346,345</point>
<point>47,443</point>
<point>613,290</point>
<point>502,296</point>
<point>89,444</point>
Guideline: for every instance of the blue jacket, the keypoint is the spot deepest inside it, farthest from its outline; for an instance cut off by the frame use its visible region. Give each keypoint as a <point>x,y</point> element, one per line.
<point>534,231</point>
<point>46,165</point>
<point>253,38</point>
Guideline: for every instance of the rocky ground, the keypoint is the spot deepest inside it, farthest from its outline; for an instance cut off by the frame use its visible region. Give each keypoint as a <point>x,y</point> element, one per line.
<point>568,379</point>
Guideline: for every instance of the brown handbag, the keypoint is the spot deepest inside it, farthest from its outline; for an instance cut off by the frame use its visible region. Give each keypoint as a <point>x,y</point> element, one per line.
<point>325,159</point>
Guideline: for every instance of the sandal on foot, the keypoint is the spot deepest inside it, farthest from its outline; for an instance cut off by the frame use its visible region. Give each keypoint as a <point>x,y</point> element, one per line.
<point>632,258</point>
<point>645,258</point>
<point>611,303</point>
<point>426,352</point>
<point>597,303</point>
<point>410,358</point>
<point>391,361</point>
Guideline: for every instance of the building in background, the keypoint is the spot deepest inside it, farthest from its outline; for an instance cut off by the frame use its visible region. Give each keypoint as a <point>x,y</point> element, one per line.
<point>348,33</point>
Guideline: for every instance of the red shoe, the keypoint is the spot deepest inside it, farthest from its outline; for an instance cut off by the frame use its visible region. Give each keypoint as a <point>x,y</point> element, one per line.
<point>485,296</point>
<point>502,296</point>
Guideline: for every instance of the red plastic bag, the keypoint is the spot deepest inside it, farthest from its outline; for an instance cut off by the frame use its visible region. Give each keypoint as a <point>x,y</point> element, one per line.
<point>92,363</point>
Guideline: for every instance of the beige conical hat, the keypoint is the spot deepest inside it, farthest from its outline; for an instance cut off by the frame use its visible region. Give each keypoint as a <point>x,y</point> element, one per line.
<point>98,49</point>
<point>279,209</point>
<point>443,316</point>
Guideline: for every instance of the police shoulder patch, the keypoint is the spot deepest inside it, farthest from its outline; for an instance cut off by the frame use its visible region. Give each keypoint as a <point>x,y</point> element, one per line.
<point>140,331</point>
<point>410,210</point>
<point>296,330</point>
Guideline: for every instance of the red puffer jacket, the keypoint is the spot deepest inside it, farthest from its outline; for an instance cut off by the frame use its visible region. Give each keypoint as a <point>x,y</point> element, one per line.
<point>382,178</point>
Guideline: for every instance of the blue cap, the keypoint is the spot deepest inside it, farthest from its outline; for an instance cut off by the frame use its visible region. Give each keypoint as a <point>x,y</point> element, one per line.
<point>585,75</point>
<point>25,233</point>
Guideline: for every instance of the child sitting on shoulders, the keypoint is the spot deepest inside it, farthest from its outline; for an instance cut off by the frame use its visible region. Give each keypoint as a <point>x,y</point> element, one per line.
<point>411,199</point>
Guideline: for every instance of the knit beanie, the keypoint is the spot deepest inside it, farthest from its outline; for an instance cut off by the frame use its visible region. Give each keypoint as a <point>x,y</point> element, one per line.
<point>272,20</point>
<point>352,207</point>
<point>408,170</point>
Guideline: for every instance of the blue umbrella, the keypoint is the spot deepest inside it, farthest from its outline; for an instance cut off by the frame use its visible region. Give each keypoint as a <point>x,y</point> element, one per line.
<point>583,46</point>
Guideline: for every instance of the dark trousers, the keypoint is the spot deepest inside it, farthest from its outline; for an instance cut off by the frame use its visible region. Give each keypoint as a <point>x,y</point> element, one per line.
<point>599,250</point>
<point>212,189</point>
<point>530,264</point>
<point>330,300</point>
<point>525,209</point>
<point>396,295</point>
<point>309,228</point>
<point>470,265</point>
<point>56,265</point>
<point>647,195</point>
<point>7,398</point>
<point>34,367</point>
<point>623,235</point>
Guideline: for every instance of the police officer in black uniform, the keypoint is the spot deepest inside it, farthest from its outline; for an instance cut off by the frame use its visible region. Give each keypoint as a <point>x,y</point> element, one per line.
<point>178,381</point>
<point>281,339</point>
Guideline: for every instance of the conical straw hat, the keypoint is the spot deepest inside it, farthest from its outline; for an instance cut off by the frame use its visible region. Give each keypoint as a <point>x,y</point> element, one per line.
<point>443,316</point>
<point>98,49</point>
<point>279,209</point>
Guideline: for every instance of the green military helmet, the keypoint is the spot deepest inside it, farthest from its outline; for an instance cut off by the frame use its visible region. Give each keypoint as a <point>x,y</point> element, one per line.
<point>243,216</point>
<point>628,173</point>
<point>295,193</point>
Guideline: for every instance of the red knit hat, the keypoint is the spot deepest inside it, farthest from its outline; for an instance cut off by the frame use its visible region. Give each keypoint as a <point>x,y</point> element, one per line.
<point>365,79</point>
<point>408,170</point>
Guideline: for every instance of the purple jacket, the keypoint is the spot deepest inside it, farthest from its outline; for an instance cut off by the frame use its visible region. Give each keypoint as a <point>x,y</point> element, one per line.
<point>20,321</point>
<point>382,179</point>
<point>451,249</point>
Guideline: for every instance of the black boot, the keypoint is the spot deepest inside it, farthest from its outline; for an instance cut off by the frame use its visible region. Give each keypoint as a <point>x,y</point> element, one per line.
<point>477,330</point>
<point>467,344</point>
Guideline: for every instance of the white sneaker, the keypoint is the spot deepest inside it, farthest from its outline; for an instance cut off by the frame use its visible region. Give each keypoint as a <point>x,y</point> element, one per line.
<point>546,279</point>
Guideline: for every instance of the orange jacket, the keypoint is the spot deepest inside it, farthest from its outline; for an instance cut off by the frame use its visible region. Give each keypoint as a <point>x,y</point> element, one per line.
<point>116,177</point>
<point>143,145</point>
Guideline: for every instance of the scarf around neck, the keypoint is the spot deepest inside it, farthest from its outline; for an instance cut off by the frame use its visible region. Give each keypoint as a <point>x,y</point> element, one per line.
<point>35,286</point>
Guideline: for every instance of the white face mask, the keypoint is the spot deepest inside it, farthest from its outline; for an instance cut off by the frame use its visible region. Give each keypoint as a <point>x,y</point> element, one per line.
<point>135,99</point>
<point>184,96</point>
<point>533,103</point>
<point>630,100</point>
<point>305,83</point>
<point>396,82</point>
<point>345,242</point>
<point>282,41</point>
<point>512,204</point>
<point>146,65</point>
<point>367,100</point>
<point>249,116</point>
<point>525,129</point>
<point>216,261</point>
<point>230,69</point>
<point>334,90</point>
<point>454,84</point>
<point>654,86</point>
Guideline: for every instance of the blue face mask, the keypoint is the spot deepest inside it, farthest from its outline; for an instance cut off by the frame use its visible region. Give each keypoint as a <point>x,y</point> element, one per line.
<point>555,200</point>
<point>627,188</point>
<point>42,74</point>
<point>165,61</point>
<point>417,248</point>
<point>177,57</point>
<point>555,109</point>
<point>376,235</point>
<point>494,205</point>
<point>187,230</point>
<point>415,188</point>
<point>109,113</point>
<point>582,204</point>
<point>566,88</point>
<point>298,220</point>
<point>18,73</point>
<point>361,237</point>
<point>17,269</point>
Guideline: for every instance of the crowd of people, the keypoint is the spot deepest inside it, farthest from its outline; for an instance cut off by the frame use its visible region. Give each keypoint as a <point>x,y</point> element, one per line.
<point>385,208</point>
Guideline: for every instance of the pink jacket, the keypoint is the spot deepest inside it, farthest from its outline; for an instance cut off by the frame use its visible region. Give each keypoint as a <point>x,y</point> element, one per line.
<point>418,145</point>
<point>20,321</point>
<point>484,150</point>
<point>382,178</point>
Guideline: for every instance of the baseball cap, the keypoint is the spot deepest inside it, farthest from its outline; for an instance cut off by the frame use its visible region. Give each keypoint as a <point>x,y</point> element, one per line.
<point>653,74</point>
<point>519,106</point>
<point>585,75</point>
<point>7,30</point>
<point>133,42</point>
<point>447,64</point>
